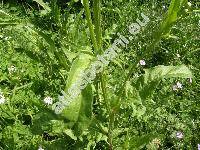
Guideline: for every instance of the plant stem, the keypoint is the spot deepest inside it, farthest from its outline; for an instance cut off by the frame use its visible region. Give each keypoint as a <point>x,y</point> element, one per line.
<point>97,43</point>
<point>89,20</point>
<point>111,117</point>
<point>97,23</point>
<point>103,87</point>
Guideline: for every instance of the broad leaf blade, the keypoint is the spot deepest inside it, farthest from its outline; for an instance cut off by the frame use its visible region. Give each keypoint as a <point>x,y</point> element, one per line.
<point>79,111</point>
<point>153,76</point>
<point>161,71</point>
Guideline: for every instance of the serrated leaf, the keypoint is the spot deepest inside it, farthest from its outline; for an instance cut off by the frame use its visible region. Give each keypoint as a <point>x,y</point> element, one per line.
<point>152,77</point>
<point>41,3</point>
<point>70,133</point>
<point>139,142</point>
<point>161,71</point>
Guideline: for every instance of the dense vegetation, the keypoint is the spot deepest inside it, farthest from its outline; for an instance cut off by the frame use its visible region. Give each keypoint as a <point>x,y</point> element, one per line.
<point>147,97</point>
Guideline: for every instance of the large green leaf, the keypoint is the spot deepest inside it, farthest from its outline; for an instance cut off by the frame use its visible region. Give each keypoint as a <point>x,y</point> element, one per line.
<point>79,111</point>
<point>161,71</point>
<point>152,77</point>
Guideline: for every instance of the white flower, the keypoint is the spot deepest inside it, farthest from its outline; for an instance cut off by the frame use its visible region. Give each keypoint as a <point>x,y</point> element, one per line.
<point>178,55</point>
<point>48,100</point>
<point>2,98</point>
<point>164,7</point>
<point>189,4</point>
<point>40,148</point>
<point>179,135</point>
<point>6,38</point>
<point>186,10</point>
<point>142,63</point>
<point>179,85</point>
<point>198,146</point>
<point>12,69</point>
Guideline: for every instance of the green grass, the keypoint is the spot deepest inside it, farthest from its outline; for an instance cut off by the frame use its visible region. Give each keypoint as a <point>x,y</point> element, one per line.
<point>128,106</point>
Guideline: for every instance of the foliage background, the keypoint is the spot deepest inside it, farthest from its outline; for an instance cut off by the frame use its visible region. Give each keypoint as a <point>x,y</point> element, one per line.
<point>43,44</point>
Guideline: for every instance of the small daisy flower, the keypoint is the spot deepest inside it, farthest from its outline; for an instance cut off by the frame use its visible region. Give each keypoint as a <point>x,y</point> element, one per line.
<point>48,100</point>
<point>186,10</point>
<point>12,69</point>
<point>179,135</point>
<point>179,85</point>
<point>189,4</point>
<point>2,98</point>
<point>40,148</point>
<point>142,63</point>
<point>198,146</point>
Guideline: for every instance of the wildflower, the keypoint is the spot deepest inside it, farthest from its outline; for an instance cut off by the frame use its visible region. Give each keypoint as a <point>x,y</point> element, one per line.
<point>186,10</point>
<point>164,7</point>
<point>48,100</point>
<point>2,98</point>
<point>198,146</point>
<point>178,55</point>
<point>40,148</point>
<point>12,69</point>
<point>179,85</point>
<point>179,135</point>
<point>6,38</point>
<point>189,4</point>
<point>142,63</point>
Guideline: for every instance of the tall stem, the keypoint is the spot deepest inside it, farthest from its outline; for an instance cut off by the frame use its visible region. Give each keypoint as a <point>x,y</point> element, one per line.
<point>96,36</point>
<point>97,23</point>
<point>91,28</point>
<point>164,27</point>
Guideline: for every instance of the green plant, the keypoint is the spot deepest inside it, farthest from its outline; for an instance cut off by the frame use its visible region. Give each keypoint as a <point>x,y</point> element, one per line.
<point>128,106</point>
